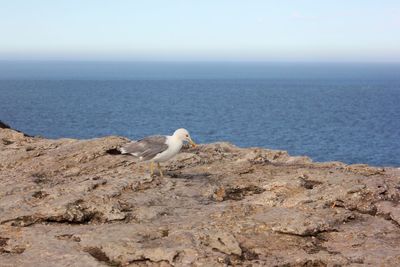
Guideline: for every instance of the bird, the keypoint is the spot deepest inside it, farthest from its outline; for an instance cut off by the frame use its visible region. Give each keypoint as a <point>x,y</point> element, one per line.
<point>158,148</point>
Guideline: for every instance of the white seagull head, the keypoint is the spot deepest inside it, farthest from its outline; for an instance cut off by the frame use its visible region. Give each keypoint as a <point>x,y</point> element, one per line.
<point>184,136</point>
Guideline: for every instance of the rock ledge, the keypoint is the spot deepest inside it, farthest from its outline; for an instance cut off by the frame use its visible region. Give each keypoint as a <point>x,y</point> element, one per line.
<point>73,202</point>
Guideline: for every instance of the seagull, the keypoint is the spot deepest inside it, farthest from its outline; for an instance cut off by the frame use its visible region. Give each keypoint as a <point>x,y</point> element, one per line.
<point>158,148</point>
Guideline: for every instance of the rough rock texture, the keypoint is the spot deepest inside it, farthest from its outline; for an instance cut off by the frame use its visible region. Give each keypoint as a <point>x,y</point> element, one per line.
<point>79,203</point>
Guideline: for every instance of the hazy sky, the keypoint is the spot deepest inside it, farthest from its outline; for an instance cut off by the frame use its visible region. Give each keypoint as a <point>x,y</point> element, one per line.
<point>261,30</point>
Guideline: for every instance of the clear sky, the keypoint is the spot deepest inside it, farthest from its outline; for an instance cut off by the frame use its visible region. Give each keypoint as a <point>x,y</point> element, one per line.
<point>221,30</point>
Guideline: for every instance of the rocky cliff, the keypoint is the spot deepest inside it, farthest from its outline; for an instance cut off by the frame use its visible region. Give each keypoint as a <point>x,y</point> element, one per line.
<point>70,202</point>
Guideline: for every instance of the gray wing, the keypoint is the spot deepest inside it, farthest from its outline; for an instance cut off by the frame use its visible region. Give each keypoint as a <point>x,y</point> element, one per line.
<point>147,148</point>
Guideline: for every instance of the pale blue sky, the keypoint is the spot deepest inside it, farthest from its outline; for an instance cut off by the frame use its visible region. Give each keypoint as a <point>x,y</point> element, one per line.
<point>222,30</point>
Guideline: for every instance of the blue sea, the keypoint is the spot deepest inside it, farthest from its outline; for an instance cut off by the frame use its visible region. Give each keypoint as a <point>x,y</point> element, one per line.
<point>327,111</point>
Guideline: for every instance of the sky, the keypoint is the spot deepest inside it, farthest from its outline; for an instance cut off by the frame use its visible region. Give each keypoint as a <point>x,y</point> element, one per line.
<point>201,30</point>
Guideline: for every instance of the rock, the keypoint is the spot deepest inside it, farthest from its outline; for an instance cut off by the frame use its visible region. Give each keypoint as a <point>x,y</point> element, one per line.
<point>303,222</point>
<point>4,126</point>
<point>389,210</point>
<point>70,202</point>
<point>224,242</point>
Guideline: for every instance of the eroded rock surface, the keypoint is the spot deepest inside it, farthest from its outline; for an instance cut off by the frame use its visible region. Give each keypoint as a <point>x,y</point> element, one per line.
<point>72,202</point>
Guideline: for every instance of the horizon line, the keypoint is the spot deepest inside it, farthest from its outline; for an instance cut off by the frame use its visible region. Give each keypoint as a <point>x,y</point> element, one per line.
<point>196,61</point>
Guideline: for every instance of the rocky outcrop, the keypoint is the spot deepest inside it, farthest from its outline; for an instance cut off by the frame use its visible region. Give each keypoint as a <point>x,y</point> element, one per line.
<point>4,125</point>
<point>70,202</point>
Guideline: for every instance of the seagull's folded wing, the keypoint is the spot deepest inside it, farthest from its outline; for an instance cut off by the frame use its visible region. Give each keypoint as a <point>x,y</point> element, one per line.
<point>147,148</point>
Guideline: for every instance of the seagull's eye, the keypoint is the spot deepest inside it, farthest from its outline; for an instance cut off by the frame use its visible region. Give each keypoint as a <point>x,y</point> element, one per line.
<point>187,135</point>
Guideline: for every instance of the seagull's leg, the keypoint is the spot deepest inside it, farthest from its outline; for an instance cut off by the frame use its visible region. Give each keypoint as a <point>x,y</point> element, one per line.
<point>159,168</point>
<point>151,168</point>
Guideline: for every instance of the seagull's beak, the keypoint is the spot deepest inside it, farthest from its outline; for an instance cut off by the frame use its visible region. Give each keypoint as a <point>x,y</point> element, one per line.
<point>193,144</point>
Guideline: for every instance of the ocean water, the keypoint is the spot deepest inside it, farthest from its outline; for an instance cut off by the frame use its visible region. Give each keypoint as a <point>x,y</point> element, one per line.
<point>344,112</point>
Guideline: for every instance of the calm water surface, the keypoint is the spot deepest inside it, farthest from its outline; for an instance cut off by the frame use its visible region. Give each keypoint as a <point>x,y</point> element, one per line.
<point>327,116</point>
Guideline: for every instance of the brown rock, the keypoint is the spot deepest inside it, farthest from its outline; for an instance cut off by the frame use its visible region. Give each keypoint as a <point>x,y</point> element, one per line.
<point>73,202</point>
